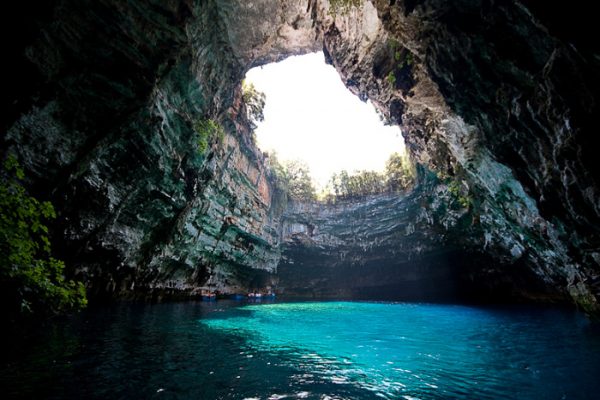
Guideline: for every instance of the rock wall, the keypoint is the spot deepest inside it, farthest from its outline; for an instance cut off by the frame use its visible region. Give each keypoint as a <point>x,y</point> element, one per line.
<point>103,122</point>
<point>379,247</point>
<point>417,245</point>
<point>497,98</point>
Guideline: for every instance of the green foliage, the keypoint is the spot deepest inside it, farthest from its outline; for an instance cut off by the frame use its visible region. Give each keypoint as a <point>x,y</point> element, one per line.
<point>294,178</point>
<point>399,51</point>
<point>255,103</point>
<point>408,60</point>
<point>399,172</point>
<point>300,185</point>
<point>399,175</point>
<point>361,183</point>
<point>276,167</point>
<point>208,131</point>
<point>29,276</point>
<point>391,78</point>
<point>337,7</point>
<point>403,60</point>
<point>454,187</point>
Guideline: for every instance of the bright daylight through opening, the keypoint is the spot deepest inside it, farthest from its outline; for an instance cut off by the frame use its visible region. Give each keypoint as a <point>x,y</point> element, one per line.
<point>311,116</point>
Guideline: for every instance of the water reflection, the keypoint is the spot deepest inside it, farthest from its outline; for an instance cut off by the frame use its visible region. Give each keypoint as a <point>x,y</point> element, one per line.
<point>303,350</point>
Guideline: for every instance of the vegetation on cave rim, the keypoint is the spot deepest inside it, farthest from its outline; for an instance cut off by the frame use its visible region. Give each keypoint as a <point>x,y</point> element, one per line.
<point>293,177</point>
<point>255,103</point>
<point>208,131</point>
<point>391,78</point>
<point>31,280</point>
<point>399,175</point>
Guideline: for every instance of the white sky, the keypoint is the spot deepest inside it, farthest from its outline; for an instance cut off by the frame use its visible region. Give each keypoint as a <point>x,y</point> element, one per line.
<point>311,116</point>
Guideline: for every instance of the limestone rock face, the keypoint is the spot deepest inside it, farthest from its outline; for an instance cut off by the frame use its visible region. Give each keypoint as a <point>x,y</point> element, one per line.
<point>107,133</point>
<point>381,247</point>
<point>498,99</point>
<point>418,245</point>
<point>495,98</point>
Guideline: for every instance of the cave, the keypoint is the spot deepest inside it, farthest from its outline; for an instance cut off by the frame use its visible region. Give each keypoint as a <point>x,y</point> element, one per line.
<point>103,123</point>
<point>129,118</point>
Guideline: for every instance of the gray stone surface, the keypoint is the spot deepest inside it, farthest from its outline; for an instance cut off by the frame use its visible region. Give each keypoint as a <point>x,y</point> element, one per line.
<point>498,99</point>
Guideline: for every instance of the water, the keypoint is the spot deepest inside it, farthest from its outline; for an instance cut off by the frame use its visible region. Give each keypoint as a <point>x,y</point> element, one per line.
<point>330,350</point>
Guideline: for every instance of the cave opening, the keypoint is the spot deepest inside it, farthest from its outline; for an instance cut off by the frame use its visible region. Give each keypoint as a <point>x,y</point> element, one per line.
<point>335,236</point>
<point>312,120</point>
<point>127,146</point>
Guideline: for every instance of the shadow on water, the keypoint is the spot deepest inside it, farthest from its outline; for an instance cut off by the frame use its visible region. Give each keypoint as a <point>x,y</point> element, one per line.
<point>324,350</point>
<point>161,351</point>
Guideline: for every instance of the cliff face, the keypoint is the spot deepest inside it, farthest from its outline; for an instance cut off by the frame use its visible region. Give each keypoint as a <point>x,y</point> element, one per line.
<point>107,133</point>
<point>418,245</point>
<point>496,98</point>
<point>383,246</point>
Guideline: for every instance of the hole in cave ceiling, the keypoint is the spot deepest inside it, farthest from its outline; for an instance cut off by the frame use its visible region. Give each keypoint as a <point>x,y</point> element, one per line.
<point>310,115</point>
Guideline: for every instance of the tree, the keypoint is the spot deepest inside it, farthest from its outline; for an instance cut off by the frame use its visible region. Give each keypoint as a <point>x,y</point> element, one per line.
<point>344,183</point>
<point>360,183</point>
<point>31,281</point>
<point>398,175</point>
<point>300,185</point>
<point>255,103</point>
<point>276,167</point>
<point>399,172</point>
<point>293,177</point>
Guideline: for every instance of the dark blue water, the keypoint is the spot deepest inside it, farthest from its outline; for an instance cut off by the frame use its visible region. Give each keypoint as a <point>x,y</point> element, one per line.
<point>332,350</point>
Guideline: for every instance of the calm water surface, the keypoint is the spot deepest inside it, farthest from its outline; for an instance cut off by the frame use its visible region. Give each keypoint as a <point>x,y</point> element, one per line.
<point>329,350</point>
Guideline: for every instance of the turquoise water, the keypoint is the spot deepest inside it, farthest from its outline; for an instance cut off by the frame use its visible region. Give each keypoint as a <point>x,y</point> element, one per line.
<point>425,351</point>
<point>330,350</point>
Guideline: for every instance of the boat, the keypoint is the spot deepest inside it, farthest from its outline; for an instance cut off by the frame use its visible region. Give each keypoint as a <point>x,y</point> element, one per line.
<point>237,296</point>
<point>256,296</point>
<point>209,296</point>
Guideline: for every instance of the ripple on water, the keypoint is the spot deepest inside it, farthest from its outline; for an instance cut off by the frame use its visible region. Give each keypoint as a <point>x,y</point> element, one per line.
<point>420,351</point>
<point>337,350</point>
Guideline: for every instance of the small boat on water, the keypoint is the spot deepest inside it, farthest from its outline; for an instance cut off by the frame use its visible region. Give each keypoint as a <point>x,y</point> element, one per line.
<point>237,296</point>
<point>257,296</point>
<point>208,296</point>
